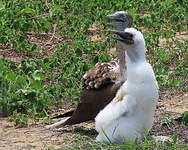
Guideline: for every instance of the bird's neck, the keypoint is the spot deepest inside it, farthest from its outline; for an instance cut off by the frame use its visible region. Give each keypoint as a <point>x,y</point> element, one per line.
<point>122,62</point>
<point>129,58</point>
<point>136,54</point>
<point>134,59</point>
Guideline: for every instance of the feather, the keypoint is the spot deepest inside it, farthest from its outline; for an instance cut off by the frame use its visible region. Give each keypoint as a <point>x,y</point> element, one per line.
<point>131,113</point>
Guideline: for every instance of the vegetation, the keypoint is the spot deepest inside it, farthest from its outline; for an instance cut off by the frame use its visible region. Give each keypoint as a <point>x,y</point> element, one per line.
<point>32,86</point>
<point>146,144</point>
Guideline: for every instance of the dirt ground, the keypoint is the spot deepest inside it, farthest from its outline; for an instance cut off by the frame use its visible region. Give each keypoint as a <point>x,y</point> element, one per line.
<point>37,137</point>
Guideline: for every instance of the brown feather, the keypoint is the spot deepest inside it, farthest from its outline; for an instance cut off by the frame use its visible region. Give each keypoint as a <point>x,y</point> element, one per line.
<point>101,74</point>
<point>91,102</point>
<point>99,87</point>
<point>65,114</point>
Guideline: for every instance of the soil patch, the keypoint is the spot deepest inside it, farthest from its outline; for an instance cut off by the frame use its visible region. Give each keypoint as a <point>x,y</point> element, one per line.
<point>46,44</point>
<point>36,137</point>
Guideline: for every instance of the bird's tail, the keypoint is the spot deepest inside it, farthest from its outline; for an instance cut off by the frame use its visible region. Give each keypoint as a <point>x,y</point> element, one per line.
<point>66,114</point>
<point>57,124</point>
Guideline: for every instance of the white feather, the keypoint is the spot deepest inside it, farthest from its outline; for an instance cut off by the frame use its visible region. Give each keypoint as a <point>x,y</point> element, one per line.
<point>131,117</point>
<point>57,123</point>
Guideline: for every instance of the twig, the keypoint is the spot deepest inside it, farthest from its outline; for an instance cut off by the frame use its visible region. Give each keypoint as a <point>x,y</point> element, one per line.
<point>6,50</point>
<point>46,3</point>
<point>53,35</point>
<point>42,15</point>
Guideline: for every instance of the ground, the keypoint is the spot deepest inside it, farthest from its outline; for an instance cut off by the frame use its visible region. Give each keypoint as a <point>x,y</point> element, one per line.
<point>35,136</point>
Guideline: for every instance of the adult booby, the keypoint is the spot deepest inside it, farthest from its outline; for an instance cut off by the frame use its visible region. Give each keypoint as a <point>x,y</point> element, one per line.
<point>112,72</point>
<point>100,83</point>
<point>130,114</point>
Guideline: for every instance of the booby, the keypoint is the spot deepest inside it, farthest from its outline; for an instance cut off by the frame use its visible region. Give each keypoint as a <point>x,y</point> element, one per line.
<point>110,72</point>
<point>99,84</point>
<point>131,113</point>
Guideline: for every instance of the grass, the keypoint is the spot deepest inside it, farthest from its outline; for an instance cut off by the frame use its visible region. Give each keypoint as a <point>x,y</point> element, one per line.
<point>30,87</point>
<point>85,143</point>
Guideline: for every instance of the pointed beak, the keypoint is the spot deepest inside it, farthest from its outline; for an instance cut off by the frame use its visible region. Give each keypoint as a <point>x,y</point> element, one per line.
<point>115,16</point>
<point>124,37</point>
<point>119,25</point>
<point>121,19</point>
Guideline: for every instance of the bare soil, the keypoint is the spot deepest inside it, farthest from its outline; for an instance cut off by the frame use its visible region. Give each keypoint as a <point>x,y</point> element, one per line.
<point>46,43</point>
<point>37,137</point>
<point>167,110</point>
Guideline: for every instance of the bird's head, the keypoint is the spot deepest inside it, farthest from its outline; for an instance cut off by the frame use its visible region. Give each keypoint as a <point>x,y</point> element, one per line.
<point>132,40</point>
<point>121,19</point>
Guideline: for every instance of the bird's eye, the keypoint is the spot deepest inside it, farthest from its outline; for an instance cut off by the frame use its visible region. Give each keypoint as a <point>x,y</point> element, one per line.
<point>131,35</point>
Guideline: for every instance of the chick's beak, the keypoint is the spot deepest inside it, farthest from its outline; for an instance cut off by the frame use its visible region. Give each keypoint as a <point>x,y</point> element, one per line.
<point>124,37</point>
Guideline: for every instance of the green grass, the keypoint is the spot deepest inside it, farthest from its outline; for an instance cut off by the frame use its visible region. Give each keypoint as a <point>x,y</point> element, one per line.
<point>87,143</point>
<point>31,87</point>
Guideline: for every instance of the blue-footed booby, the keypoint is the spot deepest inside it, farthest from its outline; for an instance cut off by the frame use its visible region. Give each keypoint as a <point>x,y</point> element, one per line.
<point>99,84</point>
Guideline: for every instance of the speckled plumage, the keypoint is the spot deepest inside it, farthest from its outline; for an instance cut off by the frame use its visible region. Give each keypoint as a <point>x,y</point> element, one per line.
<point>101,74</point>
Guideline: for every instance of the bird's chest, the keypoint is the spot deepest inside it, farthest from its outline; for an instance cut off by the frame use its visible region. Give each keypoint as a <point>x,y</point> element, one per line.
<point>141,89</point>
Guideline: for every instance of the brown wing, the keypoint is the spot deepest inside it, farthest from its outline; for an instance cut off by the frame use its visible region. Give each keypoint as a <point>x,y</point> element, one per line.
<point>65,114</point>
<point>100,75</point>
<point>91,102</point>
<point>99,88</point>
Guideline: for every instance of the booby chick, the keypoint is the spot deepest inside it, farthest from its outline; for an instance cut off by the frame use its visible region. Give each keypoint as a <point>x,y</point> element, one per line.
<point>131,113</point>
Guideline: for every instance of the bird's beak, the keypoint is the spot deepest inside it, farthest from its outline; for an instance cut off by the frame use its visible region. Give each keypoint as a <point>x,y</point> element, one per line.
<point>119,25</point>
<point>121,19</point>
<point>116,16</point>
<point>124,37</point>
